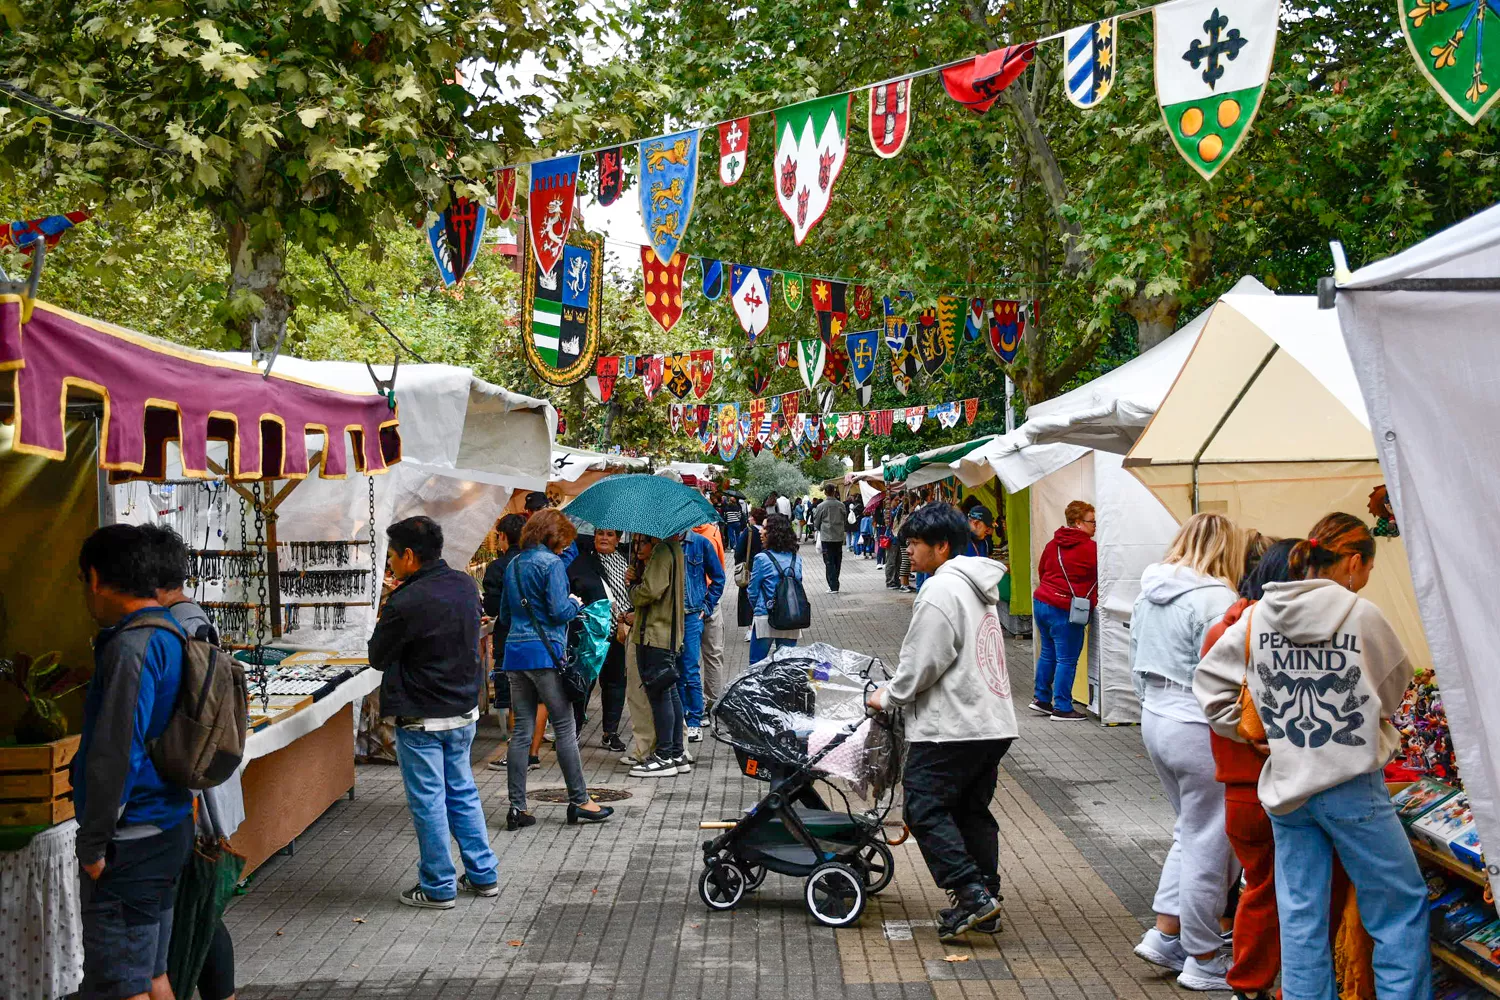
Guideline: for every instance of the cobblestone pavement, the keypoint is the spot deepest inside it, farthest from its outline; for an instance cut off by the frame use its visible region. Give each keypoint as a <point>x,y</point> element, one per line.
<point>614,910</point>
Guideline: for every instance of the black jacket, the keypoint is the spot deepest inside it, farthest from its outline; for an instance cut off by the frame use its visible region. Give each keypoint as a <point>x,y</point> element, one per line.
<point>427,642</point>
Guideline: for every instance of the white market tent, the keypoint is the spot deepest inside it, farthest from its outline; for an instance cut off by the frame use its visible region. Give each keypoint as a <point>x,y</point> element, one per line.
<point>1071,448</point>
<point>576,469</point>
<point>466,446</point>
<point>1420,329</point>
<point>1265,424</point>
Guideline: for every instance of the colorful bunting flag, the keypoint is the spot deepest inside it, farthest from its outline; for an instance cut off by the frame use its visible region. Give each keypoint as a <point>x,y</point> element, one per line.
<point>811,355</point>
<point>611,175</point>
<point>812,143</point>
<point>560,335</point>
<point>1007,324</point>
<point>750,295</point>
<point>836,363</point>
<point>862,348</point>
<point>914,415</point>
<point>828,299</point>
<point>734,146</point>
<point>928,343</point>
<point>757,379</point>
<point>554,191</point>
<point>784,354</point>
<point>971,409</point>
<point>1212,63</point>
<point>505,194</point>
<point>790,403</point>
<point>864,302</point>
<point>1089,51</point>
<point>977,83</point>
<point>669,180</point>
<point>606,371</point>
<point>713,279</point>
<point>841,425</point>
<point>454,238</point>
<point>792,289</point>
<point>729,431</point>
<point>890,117</point>
<point>898,342</point>
<point>651,376</point>
<point>947,317</point>
<point>679,378</point>
<point>856,425</point>
<point>662,284</point>
<point>975,323</point>
<point>703,372</point>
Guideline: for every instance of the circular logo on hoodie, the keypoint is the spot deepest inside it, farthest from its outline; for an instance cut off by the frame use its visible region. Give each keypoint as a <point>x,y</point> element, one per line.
<point>989,651</point>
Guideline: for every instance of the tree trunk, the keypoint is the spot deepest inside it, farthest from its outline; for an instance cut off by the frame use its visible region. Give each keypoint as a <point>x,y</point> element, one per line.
<point>1155,318</point>
<point>258,272</point>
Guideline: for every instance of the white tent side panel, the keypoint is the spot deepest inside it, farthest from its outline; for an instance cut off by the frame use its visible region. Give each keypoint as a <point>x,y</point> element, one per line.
<point>1428,364</point>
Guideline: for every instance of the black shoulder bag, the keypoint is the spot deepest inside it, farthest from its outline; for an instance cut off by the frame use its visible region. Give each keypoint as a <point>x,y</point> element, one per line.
<point>573,684</point>
<point>658,670</point>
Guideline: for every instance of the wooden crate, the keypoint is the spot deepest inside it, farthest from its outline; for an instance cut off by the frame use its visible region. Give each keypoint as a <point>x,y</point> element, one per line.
<point>34,783</point>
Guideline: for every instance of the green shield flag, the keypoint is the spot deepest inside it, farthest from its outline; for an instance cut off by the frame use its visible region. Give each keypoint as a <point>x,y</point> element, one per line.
<point>1462,63</point>
<point>792,289</point>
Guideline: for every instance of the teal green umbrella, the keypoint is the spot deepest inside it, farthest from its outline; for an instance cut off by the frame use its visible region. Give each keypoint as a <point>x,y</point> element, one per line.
<point>645,505</point>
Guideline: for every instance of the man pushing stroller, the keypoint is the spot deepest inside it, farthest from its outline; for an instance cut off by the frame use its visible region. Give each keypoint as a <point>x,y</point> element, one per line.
<point>960,721</point>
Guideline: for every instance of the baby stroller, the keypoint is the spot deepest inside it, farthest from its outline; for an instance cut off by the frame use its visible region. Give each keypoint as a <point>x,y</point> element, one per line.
<point>797,719</point>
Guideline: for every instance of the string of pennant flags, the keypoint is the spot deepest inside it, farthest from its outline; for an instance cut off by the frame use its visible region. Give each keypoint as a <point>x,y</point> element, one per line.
<point>782,425</point>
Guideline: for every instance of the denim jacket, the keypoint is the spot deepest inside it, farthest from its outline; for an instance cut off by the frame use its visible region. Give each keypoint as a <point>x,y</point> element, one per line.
<point>705,574</point>
<point>543,579</point>
<point>765,573</point>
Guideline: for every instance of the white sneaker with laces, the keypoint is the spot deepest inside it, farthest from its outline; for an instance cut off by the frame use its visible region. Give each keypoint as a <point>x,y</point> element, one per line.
<point>1205,974</point>
<point>695,734</point>
<point>1159,949</point>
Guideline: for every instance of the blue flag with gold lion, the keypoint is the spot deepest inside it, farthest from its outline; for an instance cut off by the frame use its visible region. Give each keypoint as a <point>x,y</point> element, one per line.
<point>669,179</point>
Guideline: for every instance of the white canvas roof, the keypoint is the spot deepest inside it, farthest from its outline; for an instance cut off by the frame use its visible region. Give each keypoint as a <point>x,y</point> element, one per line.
<point>1107,413</point>
<point>1427,361</point>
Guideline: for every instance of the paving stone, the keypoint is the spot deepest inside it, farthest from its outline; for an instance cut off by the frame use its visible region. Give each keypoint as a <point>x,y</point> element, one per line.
<point>613,910</point>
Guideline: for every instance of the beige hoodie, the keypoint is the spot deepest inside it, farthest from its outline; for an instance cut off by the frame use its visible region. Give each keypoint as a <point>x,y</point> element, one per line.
<point>1328,671</point>
<point>952,678</point>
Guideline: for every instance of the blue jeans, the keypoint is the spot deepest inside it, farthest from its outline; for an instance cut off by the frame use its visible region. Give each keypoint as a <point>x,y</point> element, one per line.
<point>1060,642</point>
<point>442,798</point>
<point>1357,820</point>
<point>760,648</point>
<point>689,668</point>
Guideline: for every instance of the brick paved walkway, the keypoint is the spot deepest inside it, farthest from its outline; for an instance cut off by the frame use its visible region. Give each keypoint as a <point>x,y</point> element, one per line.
<point>614,911</point>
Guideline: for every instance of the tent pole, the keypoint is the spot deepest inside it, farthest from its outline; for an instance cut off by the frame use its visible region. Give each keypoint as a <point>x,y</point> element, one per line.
<point>1234,404</point>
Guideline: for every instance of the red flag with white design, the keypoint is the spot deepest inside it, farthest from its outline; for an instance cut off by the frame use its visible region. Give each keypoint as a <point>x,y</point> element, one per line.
<point>971,409</point>
<point>734,146</point>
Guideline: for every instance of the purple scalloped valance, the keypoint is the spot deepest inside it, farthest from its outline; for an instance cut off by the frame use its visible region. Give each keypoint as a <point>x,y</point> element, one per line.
<point>154,393</point>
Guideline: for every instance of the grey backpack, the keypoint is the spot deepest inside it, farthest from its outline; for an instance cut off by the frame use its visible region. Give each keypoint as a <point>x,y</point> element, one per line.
<point>204,740</point>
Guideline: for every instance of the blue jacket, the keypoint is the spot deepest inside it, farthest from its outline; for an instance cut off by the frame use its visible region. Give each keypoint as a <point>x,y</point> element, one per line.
<point>543,579</point>
<point>765,572</point>
<point>129,701</point>
<point>705,574</point>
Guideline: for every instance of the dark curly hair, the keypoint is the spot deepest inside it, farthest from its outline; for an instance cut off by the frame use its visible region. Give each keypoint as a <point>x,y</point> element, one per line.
<point>779,535</point>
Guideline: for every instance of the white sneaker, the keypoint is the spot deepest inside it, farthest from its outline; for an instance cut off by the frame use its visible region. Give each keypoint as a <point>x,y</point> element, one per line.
<point>1159,949</point>
<point>747,635</point>
<point>684,765</point>
<point>695,734</point>
<point>1205,974</point>
<point>656,767</point>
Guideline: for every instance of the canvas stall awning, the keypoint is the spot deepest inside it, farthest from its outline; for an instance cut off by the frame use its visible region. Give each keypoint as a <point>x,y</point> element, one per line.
<point>153,392</point>
<point>575,470</point>
<point>1265,424</point>
<point>1421,333</point>
<point>930,466</point>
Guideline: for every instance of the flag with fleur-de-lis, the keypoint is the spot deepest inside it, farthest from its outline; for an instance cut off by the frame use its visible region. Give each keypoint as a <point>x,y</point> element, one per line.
<point>1453,51</point>
<point>1213,59</point>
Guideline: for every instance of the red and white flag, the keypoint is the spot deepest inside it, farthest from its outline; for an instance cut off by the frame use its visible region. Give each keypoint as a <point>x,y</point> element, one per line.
<point>734,147</point>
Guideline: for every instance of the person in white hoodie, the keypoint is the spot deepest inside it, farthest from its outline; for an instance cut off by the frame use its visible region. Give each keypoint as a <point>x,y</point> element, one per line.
<point>1181,598</point>
<point>960,721</point>
<point>1326,670</point>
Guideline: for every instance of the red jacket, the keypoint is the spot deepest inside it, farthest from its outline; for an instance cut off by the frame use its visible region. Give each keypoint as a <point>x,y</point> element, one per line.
<point>1236,765</point>
<point>1081,558</point>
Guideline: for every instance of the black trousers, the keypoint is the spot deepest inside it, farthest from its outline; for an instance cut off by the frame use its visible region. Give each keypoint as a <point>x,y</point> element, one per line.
<point>948,791</point>
<point>612,686</point>
<point>833,561</point>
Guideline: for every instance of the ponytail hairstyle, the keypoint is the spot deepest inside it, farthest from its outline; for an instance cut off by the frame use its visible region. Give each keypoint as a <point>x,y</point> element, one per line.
<point>1211,545</point>
<point>1336,537</point>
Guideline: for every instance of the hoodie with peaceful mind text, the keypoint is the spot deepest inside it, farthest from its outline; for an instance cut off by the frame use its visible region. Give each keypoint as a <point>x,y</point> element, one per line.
<point>952,678</point>
<point>1326,671</point>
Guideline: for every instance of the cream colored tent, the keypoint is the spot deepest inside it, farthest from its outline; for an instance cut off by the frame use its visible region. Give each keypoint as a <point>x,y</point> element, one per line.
<point>1265,424</point>
<point>576,469</point>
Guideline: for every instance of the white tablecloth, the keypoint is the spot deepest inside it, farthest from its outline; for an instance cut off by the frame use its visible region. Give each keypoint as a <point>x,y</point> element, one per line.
<point>298,725</point>
<point>41,930</point>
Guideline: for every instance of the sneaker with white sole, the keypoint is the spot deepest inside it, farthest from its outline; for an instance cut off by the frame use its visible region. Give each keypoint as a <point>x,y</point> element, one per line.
<point>1163,950</point>
<point>695,734</point>
<point>631,760</point>
<point>684,766</point>
<point>1205,974</point>
<point>656,767</point>
<point>416,897</point>
<point>487,890</point>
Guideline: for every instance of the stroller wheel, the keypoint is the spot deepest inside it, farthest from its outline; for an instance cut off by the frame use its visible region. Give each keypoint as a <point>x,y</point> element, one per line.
<point>879,865</point>
<point>722,885</point>
<point>755,876</point>
<point>835,894</point>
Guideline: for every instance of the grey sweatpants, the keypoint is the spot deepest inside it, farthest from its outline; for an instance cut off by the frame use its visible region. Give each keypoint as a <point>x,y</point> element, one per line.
<point>1194,884</point>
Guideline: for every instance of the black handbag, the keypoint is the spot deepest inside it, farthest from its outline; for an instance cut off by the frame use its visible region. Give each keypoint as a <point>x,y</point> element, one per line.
<point>568,674</point>
<point>658,667</point>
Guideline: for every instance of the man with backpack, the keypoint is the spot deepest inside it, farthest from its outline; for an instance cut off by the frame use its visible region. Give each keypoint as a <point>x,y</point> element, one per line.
<point>427,644</point>
<point>134,826</point>
<point>960,720</point>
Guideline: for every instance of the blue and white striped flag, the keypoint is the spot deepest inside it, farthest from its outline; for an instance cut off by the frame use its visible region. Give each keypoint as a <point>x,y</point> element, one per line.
<point>1090,71</point>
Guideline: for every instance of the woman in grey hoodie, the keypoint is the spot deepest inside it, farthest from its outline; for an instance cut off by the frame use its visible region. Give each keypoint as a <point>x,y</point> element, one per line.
<point>1326,671</point>
<point>1181,598</point>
